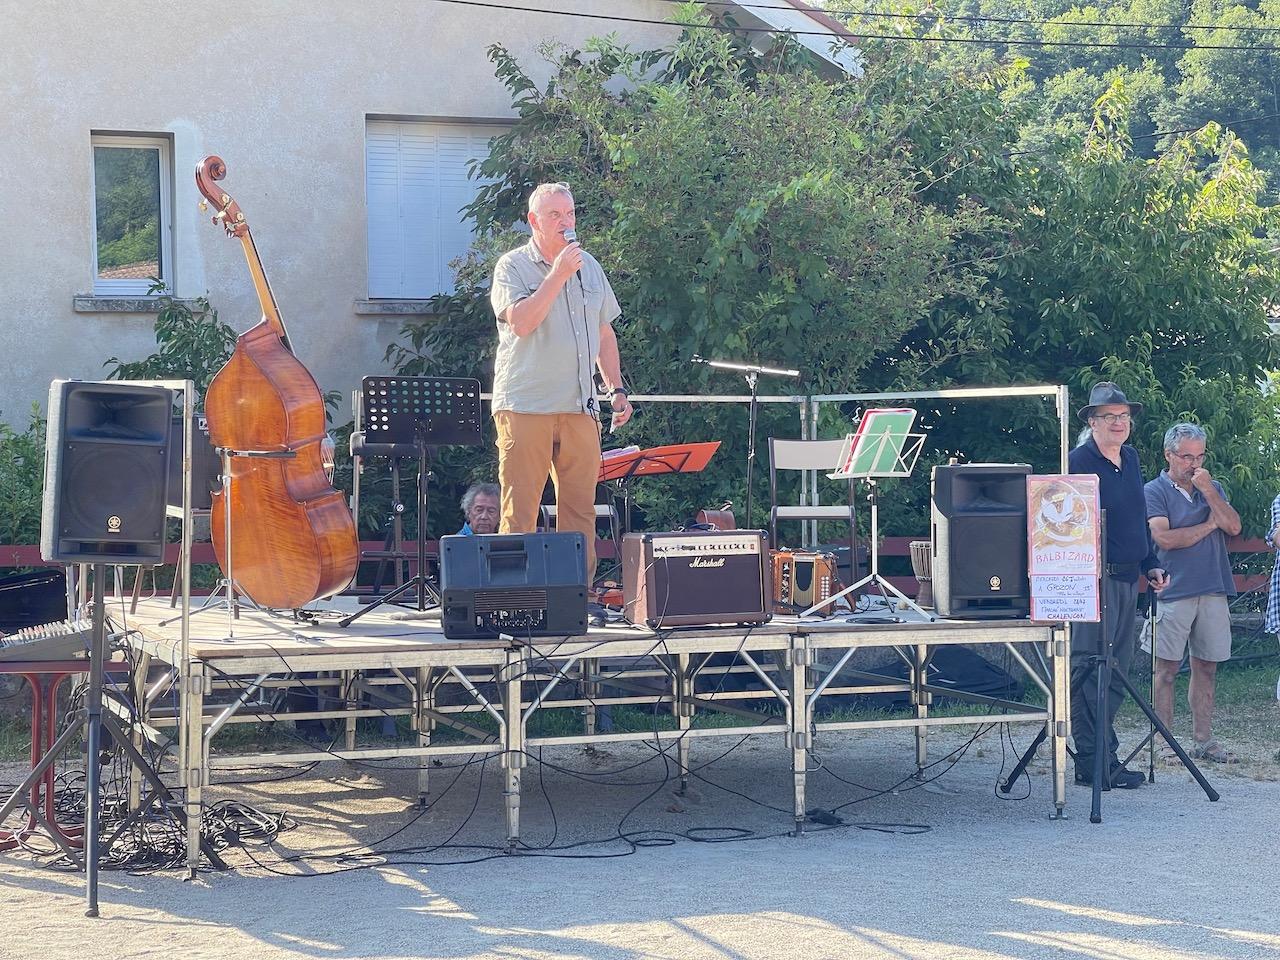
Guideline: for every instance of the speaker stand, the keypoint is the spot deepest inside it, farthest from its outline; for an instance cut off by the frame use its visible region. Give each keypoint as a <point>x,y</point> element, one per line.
<point>91,719</point>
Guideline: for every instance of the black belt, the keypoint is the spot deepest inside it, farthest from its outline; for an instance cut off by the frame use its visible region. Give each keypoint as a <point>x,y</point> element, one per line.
<point>1123,570</point>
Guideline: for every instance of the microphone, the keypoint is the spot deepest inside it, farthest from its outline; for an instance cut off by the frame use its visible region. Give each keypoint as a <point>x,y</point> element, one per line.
<point>571,236</point>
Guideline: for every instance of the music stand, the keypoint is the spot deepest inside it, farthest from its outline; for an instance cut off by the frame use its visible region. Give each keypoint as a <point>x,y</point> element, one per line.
<point>656,461</point>
<point>882,447</point>
<point>426,412</point>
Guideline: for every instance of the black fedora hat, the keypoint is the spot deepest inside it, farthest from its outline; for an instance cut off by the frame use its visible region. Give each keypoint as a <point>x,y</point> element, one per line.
<point>1105,393</point>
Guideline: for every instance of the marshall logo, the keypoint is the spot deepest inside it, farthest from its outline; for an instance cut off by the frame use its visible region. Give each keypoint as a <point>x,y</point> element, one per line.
<point>706,562</point>
<point>113,524</point>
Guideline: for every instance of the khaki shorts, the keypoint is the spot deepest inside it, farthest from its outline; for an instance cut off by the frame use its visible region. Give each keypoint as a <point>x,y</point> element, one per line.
<point>1204,622</point>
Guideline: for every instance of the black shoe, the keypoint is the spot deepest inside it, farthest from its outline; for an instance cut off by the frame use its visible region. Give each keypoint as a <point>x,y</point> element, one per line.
<point>1127,779</point>
<point>1121,777</point>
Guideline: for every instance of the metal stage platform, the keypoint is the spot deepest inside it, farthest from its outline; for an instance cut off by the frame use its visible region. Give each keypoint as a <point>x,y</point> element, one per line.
<point>391,665</point>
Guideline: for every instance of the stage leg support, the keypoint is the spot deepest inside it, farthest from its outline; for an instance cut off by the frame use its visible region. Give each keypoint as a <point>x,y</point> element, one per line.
<point>195,764</point>
<point>350,700</point>
<point>798,660</point>
<point>513,758</point>
<point>587,670</point>
<point>1060,716</point>
<point>682,706</point>
<point>920,698</point>
<point>143,713</point>
<point>424,700</point>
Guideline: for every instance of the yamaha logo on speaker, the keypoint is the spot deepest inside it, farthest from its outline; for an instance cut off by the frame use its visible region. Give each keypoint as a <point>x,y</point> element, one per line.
<point>113,524</point>
<point>995,583</point>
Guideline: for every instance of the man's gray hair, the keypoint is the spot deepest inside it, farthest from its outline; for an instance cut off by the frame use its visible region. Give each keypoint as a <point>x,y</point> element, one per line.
<point>473,491</point>
<point>546,190</point>
<point>1084,436</point>
<point>1174,436</point>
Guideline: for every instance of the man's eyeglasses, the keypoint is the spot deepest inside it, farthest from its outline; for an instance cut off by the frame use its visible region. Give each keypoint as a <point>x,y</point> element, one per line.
<point>1114,417</point>
<point>1191,457</point>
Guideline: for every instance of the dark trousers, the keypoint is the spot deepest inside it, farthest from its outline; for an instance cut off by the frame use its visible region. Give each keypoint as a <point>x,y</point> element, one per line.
<point>1086,724</point>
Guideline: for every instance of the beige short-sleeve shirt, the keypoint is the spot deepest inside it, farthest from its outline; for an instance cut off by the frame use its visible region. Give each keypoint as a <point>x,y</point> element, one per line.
<point>552,369</point>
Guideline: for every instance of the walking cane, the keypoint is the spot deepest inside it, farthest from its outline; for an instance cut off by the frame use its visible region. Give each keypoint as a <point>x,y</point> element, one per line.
<point>1151,746</point>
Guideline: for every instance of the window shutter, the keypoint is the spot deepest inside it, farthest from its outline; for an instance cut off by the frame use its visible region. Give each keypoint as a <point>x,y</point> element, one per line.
<point>415,185</point>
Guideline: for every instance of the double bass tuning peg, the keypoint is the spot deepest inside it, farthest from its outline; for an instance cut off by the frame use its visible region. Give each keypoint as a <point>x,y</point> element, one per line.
<point>204,206</point>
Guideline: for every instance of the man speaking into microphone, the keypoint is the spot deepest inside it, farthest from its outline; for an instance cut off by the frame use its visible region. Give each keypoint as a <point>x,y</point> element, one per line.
<point>555,312</point>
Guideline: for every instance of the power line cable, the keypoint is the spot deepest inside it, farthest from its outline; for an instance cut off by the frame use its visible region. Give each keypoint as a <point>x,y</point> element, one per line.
<point>970,18</point>
<point>1225,123</point>
<point>859,35</point>
<point>1163,133</point>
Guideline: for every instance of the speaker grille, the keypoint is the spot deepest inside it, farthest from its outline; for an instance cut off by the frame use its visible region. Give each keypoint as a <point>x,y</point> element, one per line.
<point>491,601</point>
<point>113,491</point>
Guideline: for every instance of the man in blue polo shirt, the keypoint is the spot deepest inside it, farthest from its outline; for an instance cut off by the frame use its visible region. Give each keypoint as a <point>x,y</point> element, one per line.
<point>1129,553</point>
<point>1190,521</point>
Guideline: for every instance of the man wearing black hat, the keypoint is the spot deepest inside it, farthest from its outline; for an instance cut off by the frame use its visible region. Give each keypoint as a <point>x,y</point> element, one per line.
<point>1129,552</point>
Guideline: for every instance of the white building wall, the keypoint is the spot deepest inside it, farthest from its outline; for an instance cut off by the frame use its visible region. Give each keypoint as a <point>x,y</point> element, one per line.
<point>281,90</point>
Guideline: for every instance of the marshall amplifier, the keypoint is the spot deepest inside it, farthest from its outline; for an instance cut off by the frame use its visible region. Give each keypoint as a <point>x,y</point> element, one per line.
<point>696,578</point>
<point>524,585</point>
<point>801,579</point>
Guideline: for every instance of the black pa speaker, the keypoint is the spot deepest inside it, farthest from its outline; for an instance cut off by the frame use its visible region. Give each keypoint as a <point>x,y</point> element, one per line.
<point>105,473</point>
<point>523,585</point>
<point>980,540</point>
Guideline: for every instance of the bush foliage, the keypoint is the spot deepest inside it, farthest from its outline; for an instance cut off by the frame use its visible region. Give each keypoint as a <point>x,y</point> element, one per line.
<point>880,232</point>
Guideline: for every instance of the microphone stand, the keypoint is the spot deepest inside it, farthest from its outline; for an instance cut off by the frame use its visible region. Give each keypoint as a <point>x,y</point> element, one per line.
<point>751,372</point>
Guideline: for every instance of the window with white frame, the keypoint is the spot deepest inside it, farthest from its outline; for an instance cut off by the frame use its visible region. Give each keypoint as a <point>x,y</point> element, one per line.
<point>132,195</point>
<point>416,184</point>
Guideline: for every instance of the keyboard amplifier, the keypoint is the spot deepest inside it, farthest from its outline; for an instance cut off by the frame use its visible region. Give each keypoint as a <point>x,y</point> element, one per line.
<point>696,578</point>
<point>523,585</point>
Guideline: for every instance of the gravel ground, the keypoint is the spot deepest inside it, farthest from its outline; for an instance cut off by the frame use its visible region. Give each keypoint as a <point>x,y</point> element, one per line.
<point>1167,874</point>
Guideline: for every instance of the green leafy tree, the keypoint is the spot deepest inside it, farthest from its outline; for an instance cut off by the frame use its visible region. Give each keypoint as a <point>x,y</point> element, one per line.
<point>771,215</point>
<point>21,480</point>
<point>1154,273</point>
<point>889,231</point>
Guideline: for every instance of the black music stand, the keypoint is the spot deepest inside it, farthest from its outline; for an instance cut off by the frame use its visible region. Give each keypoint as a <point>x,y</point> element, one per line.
<point>426,412</point>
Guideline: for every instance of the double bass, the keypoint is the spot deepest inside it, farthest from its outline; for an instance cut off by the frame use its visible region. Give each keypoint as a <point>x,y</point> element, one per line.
<point>293,538</point>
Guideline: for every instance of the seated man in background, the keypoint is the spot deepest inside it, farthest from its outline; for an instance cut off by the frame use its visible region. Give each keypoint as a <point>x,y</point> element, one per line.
<point>482,507</point>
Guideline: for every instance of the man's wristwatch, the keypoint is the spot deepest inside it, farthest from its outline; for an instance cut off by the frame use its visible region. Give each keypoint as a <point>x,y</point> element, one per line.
<point>619,390</point>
